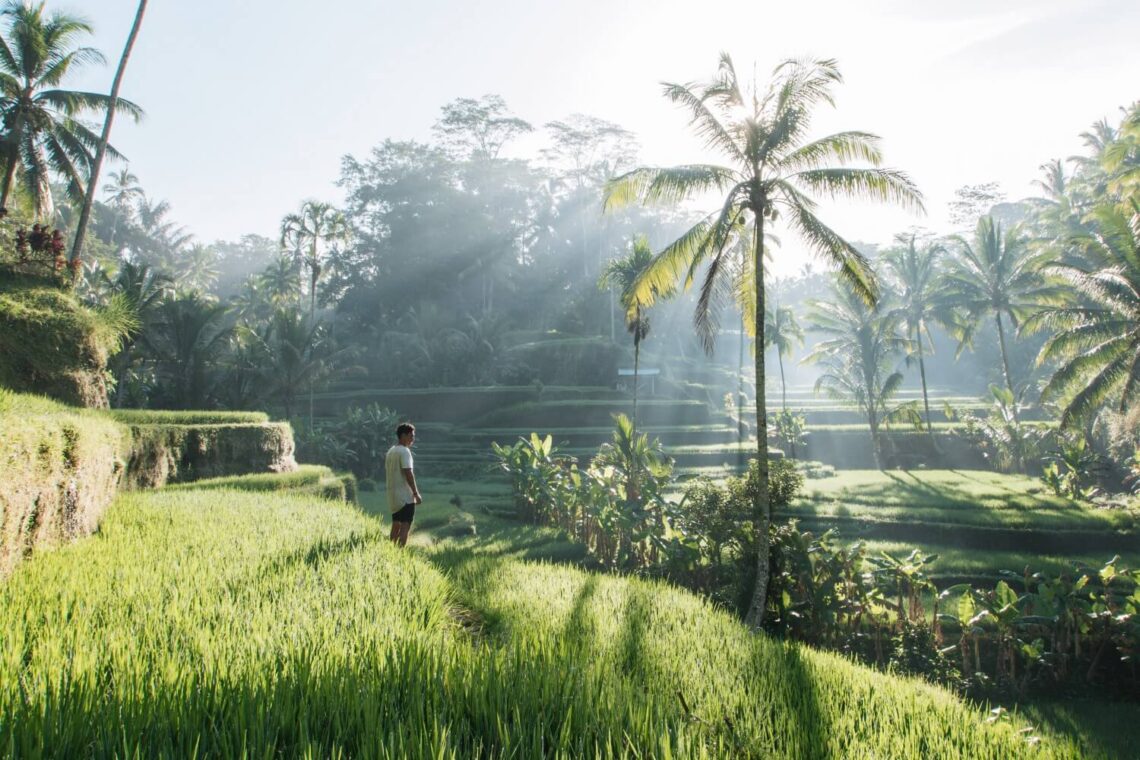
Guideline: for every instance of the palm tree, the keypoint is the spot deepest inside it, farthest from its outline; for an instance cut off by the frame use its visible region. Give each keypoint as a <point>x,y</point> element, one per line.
<point>296,353</point>
<point>996,275</point>
<point>306,233</point>
<point>43,132</point>
<point>773,173</point>
<point>123,192</point>
<point>860,353</point>
<point>622,273</point>
<point>1122,157</point>
<point>913,273</point>
<point>158,239</point>
<point>1098,341</point>
<point>189,336</point>
<point>782,330</point>
<point>143,289</point>
<point>280,281</point>
<point>105,137</point>
<point>198,268</point>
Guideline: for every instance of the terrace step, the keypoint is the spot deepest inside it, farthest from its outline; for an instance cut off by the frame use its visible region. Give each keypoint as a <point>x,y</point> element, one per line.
<point>970,536</point>
<point>579,437</point>
<point>539,415</point>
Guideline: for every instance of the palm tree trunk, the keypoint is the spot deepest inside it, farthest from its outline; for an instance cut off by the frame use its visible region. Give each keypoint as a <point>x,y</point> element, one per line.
<point>635,491</point>
<point>784,393</point>
<point>125,361</point>
<point>16,135</point>
<point>1005,367</point>
<point>9,178</point>
<point>740,396</point>
<point>783,384</point>
<point>922,374</point>
<point>762,507</point>
<point>876,448</point>
<point>105,138</point>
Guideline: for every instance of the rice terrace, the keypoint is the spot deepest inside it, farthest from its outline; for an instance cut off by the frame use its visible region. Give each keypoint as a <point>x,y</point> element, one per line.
<point>569,380</point>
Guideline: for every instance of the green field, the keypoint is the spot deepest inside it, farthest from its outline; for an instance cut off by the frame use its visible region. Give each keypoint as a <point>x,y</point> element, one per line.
<point>233,622</point>
<point>955,497</point>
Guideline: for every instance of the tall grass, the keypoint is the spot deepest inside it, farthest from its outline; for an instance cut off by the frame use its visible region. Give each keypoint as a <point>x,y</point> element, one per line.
<point>276,625</point>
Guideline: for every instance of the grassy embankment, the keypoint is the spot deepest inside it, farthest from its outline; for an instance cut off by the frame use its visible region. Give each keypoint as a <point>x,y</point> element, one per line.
<point>276,624</point>
<point>61,466</point>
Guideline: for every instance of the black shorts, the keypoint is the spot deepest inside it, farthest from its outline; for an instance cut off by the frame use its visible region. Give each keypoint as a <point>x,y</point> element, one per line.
<point>405,514</point>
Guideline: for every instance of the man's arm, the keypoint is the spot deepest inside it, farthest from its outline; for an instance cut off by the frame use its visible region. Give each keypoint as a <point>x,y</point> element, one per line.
<point>410,477</point>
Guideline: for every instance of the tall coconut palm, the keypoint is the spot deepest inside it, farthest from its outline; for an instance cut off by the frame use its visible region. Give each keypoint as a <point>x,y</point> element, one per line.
<point>156,238</point>
<point>773,173</point>
<point>122,192</point>
<point>622,273</point>
<point>105,137</point>
<point>1098,341</point>
<point>308,233</point>
<point>782,331</point>
<point>42,130</point>
<point>861,352</point>
<point>913,273</point>
<point>996,275</point>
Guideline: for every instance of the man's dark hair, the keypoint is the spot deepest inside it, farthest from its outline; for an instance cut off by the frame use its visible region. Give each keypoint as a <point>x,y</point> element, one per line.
<point>404,428</point>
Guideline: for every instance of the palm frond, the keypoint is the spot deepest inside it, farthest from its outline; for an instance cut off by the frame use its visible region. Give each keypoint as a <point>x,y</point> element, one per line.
<point>887,185</point>
<point>842,146</point>
<point>851,265</point>
<point>673,263</point>
<point>703,121</point>
<point>665,185</point>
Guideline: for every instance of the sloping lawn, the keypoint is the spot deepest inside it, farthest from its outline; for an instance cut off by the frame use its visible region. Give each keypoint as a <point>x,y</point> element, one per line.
<point>227,623</point>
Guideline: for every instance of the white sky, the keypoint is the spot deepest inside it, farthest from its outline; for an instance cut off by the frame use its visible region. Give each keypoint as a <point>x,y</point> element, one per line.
<point>252,103</point>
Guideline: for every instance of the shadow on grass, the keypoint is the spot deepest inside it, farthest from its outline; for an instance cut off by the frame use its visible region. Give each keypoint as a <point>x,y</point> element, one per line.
<point>801,702</point>
<point>1103,729</point>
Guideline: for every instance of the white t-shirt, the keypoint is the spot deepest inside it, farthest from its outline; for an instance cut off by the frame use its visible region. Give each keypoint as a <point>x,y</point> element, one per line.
<point>398,459</point>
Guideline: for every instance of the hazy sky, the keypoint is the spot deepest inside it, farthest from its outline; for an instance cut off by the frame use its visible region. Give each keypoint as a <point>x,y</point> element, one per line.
<point>252,103</point>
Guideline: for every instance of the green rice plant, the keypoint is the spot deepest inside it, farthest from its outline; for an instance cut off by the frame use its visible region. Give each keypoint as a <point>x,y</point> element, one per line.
<point>285,626</point>
<point>316,480</point>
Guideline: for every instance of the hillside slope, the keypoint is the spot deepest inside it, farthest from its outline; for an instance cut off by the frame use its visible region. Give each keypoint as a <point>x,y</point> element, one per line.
<point>228,622</point>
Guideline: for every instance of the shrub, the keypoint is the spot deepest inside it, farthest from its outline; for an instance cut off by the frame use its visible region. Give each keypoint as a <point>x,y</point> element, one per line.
<point>357,441</point>
<point>366,485</point>
<point>714,550</point>
<point>789,431</point>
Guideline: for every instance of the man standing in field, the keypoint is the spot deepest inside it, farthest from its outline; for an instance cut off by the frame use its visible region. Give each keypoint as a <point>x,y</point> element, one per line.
<point>403,495</point>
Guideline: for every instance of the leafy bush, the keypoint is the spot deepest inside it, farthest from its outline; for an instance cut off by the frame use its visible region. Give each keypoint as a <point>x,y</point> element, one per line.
<point>1007,443</point>
<point>615,506</point>
<point>356,442</point>
<point>789,431</point>
<point>1073,468</point>
<point>713,549</point>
